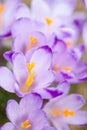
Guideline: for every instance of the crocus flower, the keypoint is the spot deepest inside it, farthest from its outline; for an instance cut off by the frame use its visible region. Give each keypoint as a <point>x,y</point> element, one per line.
<point>25,115</point>
<point>67,65</point>
<point>26,37</point>
<point>65,110</point>
<point>29,74</point>
<point>49,16</point>
<point>9,12</point>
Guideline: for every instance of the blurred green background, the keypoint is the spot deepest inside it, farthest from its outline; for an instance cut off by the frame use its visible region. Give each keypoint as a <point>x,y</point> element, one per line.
<point>5,96</point>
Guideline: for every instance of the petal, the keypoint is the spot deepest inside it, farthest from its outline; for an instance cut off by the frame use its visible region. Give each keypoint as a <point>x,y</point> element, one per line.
<point>19,68</point>
<point>84,34</point>
<point>44,79</point>
<point>85,3</point>
<point>13,111</point>
<point>42,58</point>
<point>8,126</point>
<point>80,118</point>
<point>41,121</point>
<point>49,128</point>
<point>72,102</point>
<point>34,102</point>
<point>7,79</point>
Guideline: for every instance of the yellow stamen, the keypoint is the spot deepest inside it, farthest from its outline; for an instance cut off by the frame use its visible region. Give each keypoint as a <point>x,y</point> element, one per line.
<point>2,7</point>
<point>30,78</point>
<point>25,124</point>
<point>68,113</point>
<point>67,69</point>
<point>32,42</point>
<point>68,43</point>
<point>48,21</point>
<point>56,112</point>
<point>30,66</point>
<point>56,68</point>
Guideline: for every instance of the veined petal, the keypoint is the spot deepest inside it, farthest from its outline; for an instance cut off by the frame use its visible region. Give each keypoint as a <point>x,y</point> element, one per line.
<point>7,79</point>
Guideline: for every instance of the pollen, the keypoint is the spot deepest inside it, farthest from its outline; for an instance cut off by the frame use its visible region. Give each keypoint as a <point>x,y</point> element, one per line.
<point>68,43</point>
<point>2,7</point>
<point>68,69</point>
<point>25,124</point>
<point>33,40</point>
<point>30,78</point>
<point>56,68</point>
<point>48,21</point>
<point>68,113</point>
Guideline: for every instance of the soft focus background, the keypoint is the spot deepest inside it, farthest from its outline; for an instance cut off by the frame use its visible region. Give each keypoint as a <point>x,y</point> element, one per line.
<point>5,96</point>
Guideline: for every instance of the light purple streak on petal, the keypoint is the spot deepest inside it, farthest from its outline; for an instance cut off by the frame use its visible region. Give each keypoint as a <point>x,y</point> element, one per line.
<point>73,102</point>
<point>19,68</point>
<point>8,126</point>
<point>7,79</point>
<point>84,34</point>
<point>42,58</point>
<point>30,102</point>
<point>80,118</point>
<point>13,111</point>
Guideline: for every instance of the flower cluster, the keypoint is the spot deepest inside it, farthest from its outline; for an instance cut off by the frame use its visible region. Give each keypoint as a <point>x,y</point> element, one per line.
<point>44,60</point>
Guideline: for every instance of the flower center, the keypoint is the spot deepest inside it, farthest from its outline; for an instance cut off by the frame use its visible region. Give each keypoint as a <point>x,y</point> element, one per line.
<point>2,7</point>
<point>25,124</point>
<point>66,112</point>
<point>48,20</point>
<point>32,42</point>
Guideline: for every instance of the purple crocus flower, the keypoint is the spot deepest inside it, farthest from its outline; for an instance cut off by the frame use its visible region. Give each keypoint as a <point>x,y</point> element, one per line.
<point>26,115</point>
<point>26,37</point>
<point>10,11</point>
<point>65,110</point>
<point>67,64</point>
<point>29,74</point>
<point>49,16</point>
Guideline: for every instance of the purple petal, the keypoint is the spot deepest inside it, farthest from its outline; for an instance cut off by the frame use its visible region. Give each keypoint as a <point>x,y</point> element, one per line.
<point>42,58</point>
<point>13,111</point>
<point>84,34</point>
<point>49,128</point>
<point>7,79</point>
<point>80,118</point>
<point>72,102</point>
<point>34,102</point>
<point>19,68</point>
<point>85,3</point>
<point>8,126</point>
